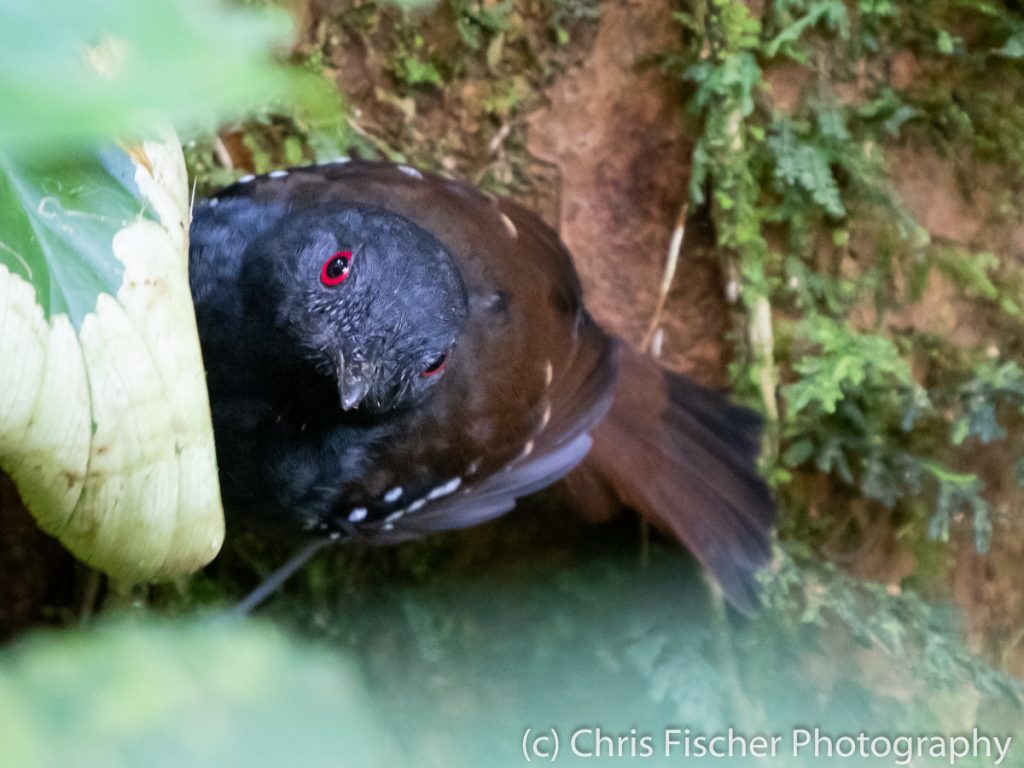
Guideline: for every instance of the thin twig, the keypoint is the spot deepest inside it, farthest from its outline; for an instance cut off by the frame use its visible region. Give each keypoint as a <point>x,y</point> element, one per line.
<point>192,199</point>
<point>273,582</point>
<point>499,138</point>
<point>91,585</point>
<point>386,149</point>
<point>675,246</point>
<point>220,149</point>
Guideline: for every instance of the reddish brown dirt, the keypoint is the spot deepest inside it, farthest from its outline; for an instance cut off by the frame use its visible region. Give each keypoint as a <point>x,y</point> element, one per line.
<point>612,129</point>
<point>986,586</point>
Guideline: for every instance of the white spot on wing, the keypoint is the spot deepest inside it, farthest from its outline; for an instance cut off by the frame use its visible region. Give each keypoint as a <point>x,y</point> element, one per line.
<point>510,227</point>
<point>417,505</point>
<point>277,174</point>
<point>657,342</point>
<point>546,416</point>
<point>394,516</point>
<point>246,179</point>
<point>341,160</point>
<point>393,495</point>
<point>527,449</point>
<point>473,467</point>
<point>443,490</point>
<point>549,373</point>
<point>408,170</point>
<point>357,515</point>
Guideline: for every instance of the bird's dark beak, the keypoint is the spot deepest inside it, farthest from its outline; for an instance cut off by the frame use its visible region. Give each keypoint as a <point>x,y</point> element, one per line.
<point>353,385</point>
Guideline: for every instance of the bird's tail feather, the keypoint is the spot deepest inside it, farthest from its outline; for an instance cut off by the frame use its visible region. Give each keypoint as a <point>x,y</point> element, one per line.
<point>685,458</point>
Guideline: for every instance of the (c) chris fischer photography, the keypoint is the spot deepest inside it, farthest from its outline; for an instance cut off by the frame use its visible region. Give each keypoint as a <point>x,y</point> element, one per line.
<point>482,383</point>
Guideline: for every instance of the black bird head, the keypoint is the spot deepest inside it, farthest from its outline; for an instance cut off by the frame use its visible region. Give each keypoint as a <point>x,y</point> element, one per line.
<point>366,297</point>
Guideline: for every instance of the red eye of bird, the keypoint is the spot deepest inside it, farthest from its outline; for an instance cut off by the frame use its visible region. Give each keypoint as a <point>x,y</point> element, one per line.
<point>437,366</point>
<point>336,268</point>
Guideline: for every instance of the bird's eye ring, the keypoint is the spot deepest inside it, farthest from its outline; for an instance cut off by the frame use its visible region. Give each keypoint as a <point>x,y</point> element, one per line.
<point>437,366</point>
<point>336,269</point>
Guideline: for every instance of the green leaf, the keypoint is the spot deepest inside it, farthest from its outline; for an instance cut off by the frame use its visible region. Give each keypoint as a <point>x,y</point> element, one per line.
<point>417,72</point>
<point>799,452</point>
<point>994,384</point>
<point>57,221</point>
<point>832,12</point>
<point>86,71</point>
<point>148,696</point>
<point>957,490</point>
<point>804,168</point>
<point>104,420</point>
<point>845,362</point>
<point>945,43</point>
<point>1014,46</point>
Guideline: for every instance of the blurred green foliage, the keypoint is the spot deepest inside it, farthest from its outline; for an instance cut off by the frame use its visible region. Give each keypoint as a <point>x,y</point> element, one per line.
<point>183,695</point>
<point>81,72</point>
<point>451,670</point>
